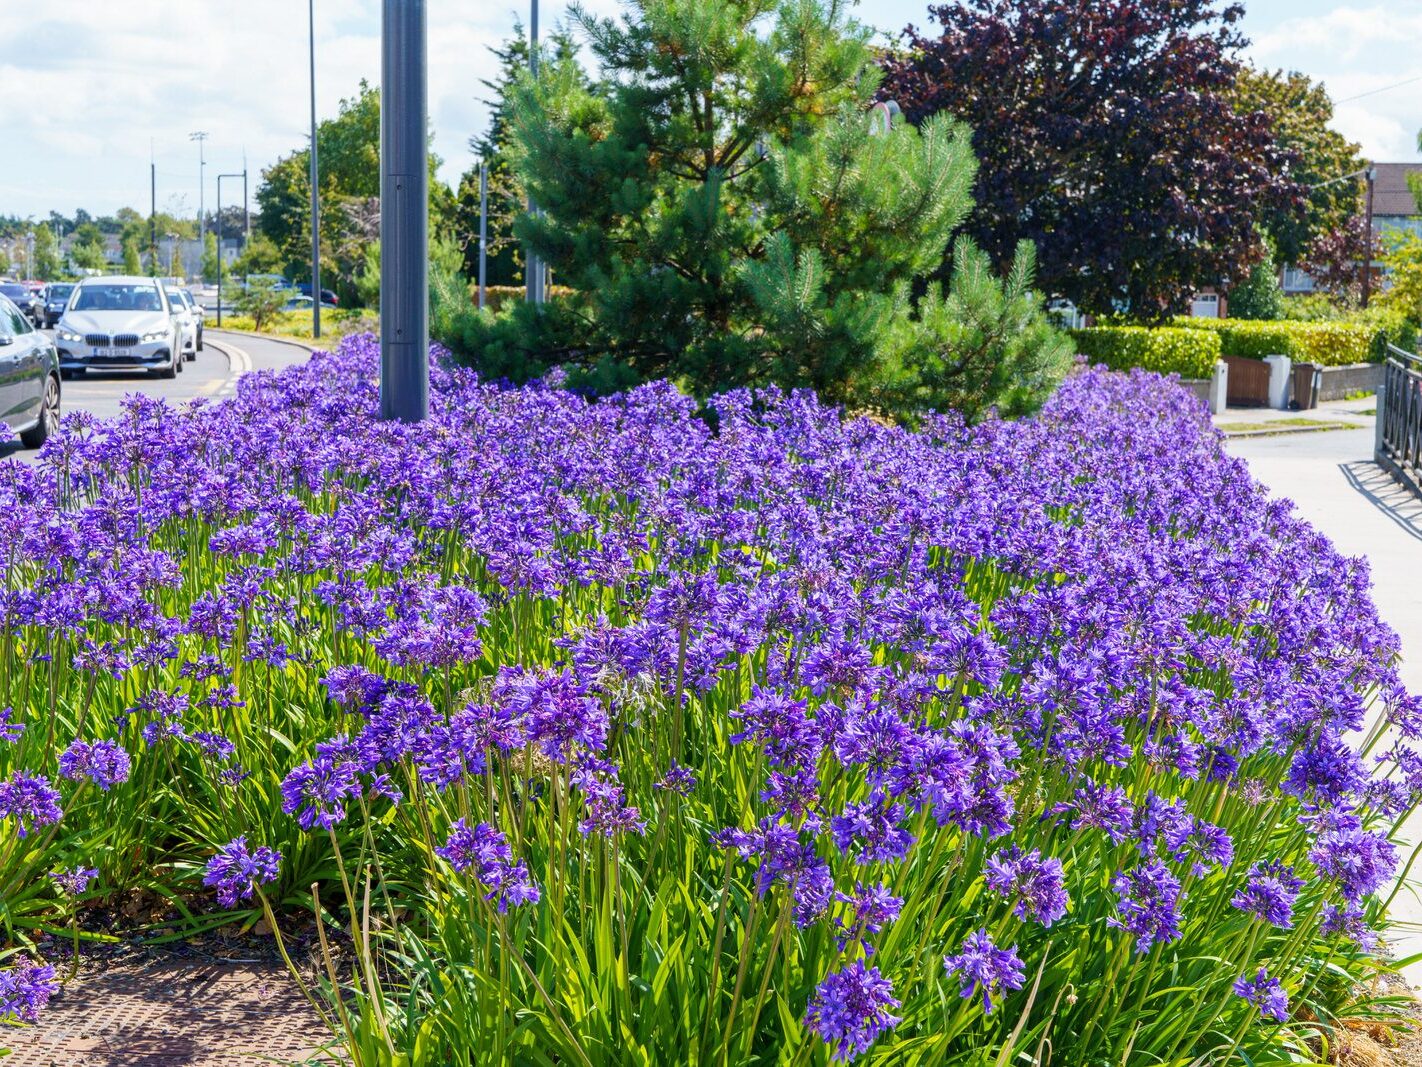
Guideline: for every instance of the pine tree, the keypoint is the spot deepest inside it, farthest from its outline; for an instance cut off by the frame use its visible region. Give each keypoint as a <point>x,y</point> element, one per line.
<point>507,199</point>
<point>730,210</point>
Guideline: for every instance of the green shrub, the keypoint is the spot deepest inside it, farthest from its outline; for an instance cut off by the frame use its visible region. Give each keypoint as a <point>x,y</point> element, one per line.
<point>1330,344</point>
<point>1166,349</point>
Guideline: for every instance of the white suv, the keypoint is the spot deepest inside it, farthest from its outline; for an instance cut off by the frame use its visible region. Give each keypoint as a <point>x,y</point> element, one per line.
<point>123,323</point>
<point>189,326</point>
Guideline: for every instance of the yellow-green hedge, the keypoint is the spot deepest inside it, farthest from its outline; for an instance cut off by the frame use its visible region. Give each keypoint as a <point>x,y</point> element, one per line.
<point>1330,344</point>
<point>1166,349</point>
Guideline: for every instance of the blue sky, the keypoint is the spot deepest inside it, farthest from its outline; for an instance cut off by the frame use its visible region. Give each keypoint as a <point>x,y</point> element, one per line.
<point>88,86</point>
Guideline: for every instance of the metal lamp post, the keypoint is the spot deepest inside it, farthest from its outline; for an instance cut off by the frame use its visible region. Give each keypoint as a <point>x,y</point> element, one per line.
<point>200,136</point>
<point>243,176</point>
<point>1371,175</point>
<point>315,185</point>
<point>404,214</point>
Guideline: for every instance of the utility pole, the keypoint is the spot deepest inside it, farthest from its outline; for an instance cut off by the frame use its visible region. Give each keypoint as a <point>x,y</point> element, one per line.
<point>404,213</point>
<point>483,228</point>
<point>200,136</point>
<point>533,266</point>
<point>243,176</point>
<point>1371,174</point>
<point>153,217</point>
<point>246,215</point>
<point>315,185</point>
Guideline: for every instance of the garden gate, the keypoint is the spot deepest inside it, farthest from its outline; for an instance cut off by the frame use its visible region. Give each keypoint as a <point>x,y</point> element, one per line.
<point>1398,445</point>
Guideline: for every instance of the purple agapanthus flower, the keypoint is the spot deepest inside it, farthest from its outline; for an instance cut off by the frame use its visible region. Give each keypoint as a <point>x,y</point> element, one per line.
<point>25,989</point>
<point>1036,885</point>
<point>1265,993</point>
<point>74,881</point>
<point>1269,893</point>
<point>105,763</point>
<point>486,851</point>
<point>236,870</point>
<point>10,730</point>
<point>1149,898</point>
<point>30,800</point>
<point>850,1009</point>
<point>679,780</point>
<point>316,792</point>
<point>984,968</point>
<point>872,908</point>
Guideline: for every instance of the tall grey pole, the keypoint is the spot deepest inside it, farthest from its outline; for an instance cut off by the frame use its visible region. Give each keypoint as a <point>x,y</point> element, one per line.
<point>315,186</point>
<point>483,229</point>
<point>404,214</point>
<point>200,136</point>
<point>246,214</point>
<point>532,265</point>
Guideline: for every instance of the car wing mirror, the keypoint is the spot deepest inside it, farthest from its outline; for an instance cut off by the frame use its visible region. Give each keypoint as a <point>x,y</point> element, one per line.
<point>6,340</point>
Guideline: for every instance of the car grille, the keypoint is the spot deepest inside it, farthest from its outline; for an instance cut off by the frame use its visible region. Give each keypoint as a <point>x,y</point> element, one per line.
<point>97,340</point>
<point>125,340</point>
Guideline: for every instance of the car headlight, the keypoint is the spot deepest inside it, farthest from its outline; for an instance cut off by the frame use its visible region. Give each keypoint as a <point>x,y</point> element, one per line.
<point>66,334</point>
<point>155,335</point>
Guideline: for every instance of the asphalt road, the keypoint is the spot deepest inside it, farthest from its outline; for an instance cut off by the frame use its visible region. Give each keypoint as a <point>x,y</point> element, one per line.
<point>225,357</point>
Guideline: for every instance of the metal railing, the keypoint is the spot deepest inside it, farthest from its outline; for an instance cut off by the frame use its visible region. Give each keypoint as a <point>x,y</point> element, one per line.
<point>1398,445</point>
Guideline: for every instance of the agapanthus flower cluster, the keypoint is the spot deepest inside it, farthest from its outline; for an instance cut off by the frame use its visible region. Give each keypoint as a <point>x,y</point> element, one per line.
<point>1265,993</point>
<point>25,989</point>
<point>105,763</point>
<point>1040,664</point>
<point>983,968</point>
<point>237,870</point>
<point>850,1009</point>
<point>485,851</point>
<point>30,801</point>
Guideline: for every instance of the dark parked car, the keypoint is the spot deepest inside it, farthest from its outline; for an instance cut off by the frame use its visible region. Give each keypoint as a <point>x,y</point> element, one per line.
<point>327,297</point>
<point>56,298</point>
<point>29,304</point>
<point>29,378</point>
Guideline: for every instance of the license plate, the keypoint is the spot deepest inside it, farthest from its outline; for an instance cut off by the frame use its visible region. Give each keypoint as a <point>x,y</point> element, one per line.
<point>106,353</point>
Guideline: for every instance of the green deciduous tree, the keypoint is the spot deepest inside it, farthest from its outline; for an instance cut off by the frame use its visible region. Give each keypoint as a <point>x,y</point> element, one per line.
<point>349,162</point>
<point>729,211</point>
<point>210,262</point>
<point>47,261</point>
<point>131,262</point>
<point>87,249</point>
<point>1300,111</point>
<point>261,303</point>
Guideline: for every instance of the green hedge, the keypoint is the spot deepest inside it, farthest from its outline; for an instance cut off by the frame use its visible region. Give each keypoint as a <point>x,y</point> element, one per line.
<point>1166,349</point>
<point>1330,344</point>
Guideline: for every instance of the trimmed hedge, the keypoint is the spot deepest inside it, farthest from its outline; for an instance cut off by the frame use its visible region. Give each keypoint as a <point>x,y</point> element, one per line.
<point>1329,344</point>
<point>1166,349</point>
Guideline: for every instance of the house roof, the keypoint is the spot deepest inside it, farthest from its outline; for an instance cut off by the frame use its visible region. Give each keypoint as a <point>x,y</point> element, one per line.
<point>1391,196</point>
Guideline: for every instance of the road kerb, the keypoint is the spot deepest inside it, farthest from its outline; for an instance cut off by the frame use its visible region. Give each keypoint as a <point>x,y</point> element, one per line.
<point>238,364</point>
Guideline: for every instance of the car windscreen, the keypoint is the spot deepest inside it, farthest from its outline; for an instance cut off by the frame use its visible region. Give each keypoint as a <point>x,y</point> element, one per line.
<point>176,299</point>
<point>60,292</point>
<point>116,297</point>
<point>13,291</point>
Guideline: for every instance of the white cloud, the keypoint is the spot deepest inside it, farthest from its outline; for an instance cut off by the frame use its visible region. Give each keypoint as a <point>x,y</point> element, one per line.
<point>87,85</point>
<point>1356,50</point>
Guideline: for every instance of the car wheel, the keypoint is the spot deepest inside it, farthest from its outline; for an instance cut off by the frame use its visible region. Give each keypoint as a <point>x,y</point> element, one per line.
<point>171,370</point>
<point>199,344</point>
<point>49,416</point>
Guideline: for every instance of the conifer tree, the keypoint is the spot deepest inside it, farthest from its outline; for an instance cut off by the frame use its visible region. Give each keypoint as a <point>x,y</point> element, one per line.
<point>730,209</point>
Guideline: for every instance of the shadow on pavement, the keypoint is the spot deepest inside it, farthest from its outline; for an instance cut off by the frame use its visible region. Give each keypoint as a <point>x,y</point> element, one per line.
<point>1386,494</point>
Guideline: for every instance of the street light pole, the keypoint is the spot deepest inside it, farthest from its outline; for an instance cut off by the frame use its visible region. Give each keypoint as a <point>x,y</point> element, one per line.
<point>200,136</point>
<point>483,228</point>
<point>1371,175</point>
<point>533,266</point>
<point>243,176</point>
<point>404,213</point>
<point>315,184</point>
